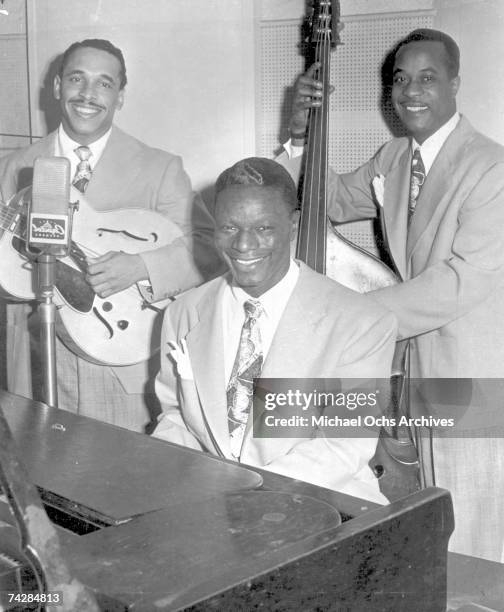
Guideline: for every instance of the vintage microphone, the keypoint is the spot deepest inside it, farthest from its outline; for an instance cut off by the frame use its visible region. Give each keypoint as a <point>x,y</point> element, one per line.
<point>49,237</point>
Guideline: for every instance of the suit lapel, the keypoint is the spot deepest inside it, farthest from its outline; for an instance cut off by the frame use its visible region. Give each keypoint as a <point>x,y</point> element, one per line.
<point>294,335</point>
<point>395,210</point>
<point>209,373</point>
<point>104,188</point>
<point>433,191</point>
<point>289,337</point>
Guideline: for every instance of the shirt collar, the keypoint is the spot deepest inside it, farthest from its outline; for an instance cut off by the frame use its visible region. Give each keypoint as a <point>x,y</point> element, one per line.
<point>67,146</point>
<point>431,147</point>
<point>274,300</point>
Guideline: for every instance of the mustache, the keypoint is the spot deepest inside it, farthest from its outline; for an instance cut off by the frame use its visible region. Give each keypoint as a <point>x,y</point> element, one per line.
<point>86,103</point>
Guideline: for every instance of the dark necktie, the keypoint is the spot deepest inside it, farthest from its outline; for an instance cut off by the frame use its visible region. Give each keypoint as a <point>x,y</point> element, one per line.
<point>417,179</point>
<point>247,366</point>
<point>83,171</point>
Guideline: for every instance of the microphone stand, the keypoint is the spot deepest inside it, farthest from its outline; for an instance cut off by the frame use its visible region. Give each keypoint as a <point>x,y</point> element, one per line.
<point>46,279</point>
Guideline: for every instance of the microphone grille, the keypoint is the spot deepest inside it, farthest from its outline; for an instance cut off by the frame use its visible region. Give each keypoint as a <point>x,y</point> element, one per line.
<point>51,179</point>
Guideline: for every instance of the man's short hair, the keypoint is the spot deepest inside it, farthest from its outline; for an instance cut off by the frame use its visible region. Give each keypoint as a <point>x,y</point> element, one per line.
<point>451,48</point>
<point>259,172</point>
<point>102,45</point>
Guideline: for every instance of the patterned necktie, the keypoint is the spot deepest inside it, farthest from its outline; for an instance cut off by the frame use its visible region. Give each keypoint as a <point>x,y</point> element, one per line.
<point>416,181</point>
<point>83,172</point>
<point>247,366</point>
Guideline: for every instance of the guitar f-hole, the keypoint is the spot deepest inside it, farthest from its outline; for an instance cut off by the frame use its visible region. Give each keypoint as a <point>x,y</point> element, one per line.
<point>104,321</point>
<point>103,230</point>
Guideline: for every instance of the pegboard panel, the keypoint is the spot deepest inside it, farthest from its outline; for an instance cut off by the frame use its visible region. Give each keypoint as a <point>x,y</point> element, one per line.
<point>359,122</point>
<point>14,118</point>
<point>280,64</point>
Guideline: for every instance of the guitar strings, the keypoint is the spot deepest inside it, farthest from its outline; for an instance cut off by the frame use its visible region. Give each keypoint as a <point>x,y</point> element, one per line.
<point>9,216</point>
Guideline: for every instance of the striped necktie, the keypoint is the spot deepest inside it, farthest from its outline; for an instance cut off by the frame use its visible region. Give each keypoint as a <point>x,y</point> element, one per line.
<point>83,171</point>
<point>247,366</point>
<point>417,179</point>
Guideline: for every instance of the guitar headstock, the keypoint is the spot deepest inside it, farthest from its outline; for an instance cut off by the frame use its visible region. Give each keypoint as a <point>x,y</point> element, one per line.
<point>323,17</point>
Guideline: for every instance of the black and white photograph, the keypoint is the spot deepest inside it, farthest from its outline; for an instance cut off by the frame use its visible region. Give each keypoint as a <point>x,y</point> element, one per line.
<point>251,286</point>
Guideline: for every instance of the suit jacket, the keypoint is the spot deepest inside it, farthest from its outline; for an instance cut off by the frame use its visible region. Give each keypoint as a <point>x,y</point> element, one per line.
<point>452,256</point>
<point>326,331</point>
<point>131,174</point>
<point>451,305</point>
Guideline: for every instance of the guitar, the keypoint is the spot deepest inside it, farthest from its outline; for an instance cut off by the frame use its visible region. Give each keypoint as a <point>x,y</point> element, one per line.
<point>119,330</point>
<point>324,249</point>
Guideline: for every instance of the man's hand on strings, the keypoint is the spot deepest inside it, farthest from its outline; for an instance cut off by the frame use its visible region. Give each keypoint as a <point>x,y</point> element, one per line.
<point>114,272</point>
<point>308,94</point>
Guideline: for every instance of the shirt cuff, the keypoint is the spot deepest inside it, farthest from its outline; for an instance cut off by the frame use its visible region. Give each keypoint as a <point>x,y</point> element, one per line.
<point>292,151</point>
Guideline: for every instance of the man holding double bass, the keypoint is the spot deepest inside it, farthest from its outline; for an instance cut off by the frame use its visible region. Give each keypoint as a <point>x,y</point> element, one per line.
<point>439,193</point>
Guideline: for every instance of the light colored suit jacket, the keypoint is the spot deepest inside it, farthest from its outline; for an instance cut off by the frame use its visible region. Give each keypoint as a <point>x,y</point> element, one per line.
<point>131,174</point>
<point>326,331</point>
<point>452,256</point>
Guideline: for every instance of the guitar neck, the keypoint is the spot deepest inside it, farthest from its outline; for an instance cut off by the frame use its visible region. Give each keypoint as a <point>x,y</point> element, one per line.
<point>13,220</point>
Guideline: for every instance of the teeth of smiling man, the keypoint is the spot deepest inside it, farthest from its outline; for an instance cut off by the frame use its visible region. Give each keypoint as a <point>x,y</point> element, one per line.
<point>85,110</point>
<point>248,262</point>
<point>416,109</point>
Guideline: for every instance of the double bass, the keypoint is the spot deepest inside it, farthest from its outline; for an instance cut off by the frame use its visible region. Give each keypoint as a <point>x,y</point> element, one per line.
<point>325,250</point>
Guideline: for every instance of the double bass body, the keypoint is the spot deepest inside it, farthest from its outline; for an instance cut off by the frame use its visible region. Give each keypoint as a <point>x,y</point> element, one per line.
<point>325,250</point>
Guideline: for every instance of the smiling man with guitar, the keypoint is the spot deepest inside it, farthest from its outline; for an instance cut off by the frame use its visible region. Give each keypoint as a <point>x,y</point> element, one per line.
<point>140,235</point>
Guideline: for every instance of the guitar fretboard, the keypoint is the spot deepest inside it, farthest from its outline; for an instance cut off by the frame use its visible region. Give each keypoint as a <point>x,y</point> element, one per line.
<point>12,220</point>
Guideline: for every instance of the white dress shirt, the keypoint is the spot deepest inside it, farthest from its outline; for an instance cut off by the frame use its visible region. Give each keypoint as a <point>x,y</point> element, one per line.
<point>431,147</point>
<point>273,302</point>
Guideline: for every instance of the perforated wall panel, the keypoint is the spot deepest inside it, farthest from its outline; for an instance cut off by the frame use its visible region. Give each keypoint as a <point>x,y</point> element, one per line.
<point>359,122</point>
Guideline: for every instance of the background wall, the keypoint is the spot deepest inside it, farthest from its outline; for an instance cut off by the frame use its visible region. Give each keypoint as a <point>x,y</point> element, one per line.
<point>190,69</point>
<point>476,25</point>
<point>210,79</point>
<point>15,126</point>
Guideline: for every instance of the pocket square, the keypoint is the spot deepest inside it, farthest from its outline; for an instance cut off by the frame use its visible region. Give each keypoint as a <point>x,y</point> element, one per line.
<point>379,189</point>
<point>180,356</point>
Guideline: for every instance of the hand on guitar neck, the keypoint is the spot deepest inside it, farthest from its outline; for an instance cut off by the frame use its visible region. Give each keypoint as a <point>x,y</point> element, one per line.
<point>115,271</point>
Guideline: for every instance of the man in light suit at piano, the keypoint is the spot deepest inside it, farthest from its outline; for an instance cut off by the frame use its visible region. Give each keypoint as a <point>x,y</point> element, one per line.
<point>270,316</point>
<point>111,171</point>
<point>439,194</point>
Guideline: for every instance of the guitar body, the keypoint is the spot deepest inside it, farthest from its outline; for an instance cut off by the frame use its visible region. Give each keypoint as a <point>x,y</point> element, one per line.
<point>118,330</point>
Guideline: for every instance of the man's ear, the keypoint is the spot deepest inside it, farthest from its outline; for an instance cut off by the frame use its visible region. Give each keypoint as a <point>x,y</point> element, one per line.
<point>57,87</point>
<point>455,84</point>
<point>120,100</point>
<point>294,224</point>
